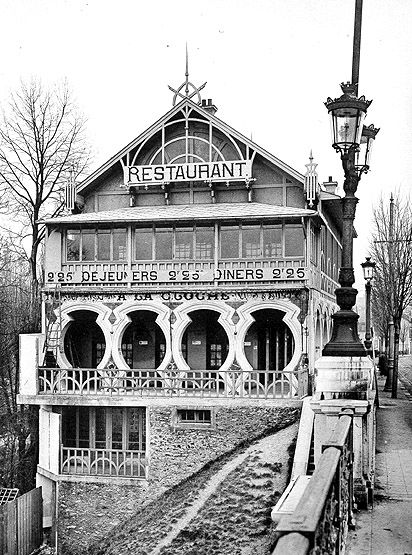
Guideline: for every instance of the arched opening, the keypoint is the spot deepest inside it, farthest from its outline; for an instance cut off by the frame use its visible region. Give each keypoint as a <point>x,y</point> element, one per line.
<point>143,343</point>
<point>269,346</point>
<point>84,342</point>
<point>205,344</point>
<point>269,343</point>
<point>318,337</point>
<point>325,334</point>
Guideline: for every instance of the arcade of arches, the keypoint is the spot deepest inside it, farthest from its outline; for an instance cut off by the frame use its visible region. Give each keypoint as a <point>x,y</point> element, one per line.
<point>268,344</point>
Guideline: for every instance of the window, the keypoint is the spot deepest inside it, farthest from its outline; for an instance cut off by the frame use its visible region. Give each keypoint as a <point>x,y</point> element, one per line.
<point>183,243</point>
<point>119,244</point>
<point>88,240</point>
<point>197,417</point>
<point>103,244</point>
<point>251,242</point>
<point>164,243</point>
<point>127,351</point>
<point>143,244</point>
<point>104,428</point>
<point>229,241</point>
<point>175,243</point>
<point>73,245</point>
<point>205,243</point>
<point>216,358</point>
<point>314,244</point>
<point>88,245</point>
<point>294,240</point>
<point>272,241</point>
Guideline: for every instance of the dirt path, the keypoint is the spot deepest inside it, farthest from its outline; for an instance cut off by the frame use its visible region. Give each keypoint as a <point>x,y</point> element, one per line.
<point>282,439</point>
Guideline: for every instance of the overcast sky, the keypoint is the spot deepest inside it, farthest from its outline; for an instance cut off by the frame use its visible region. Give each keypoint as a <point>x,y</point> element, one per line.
<point>269,66</point>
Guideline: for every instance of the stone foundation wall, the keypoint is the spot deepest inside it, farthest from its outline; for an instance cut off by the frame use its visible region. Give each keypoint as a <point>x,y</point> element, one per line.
<point>176,453</point>
<point>88,512</point>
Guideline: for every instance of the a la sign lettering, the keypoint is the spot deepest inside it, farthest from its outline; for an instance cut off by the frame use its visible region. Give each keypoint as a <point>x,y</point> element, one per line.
<point>236,170</point>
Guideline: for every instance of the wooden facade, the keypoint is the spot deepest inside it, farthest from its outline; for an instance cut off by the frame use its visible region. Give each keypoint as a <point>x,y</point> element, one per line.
<point>192,272</point>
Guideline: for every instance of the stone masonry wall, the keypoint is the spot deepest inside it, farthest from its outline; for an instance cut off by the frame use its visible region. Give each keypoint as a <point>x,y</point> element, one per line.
<point>88,512</point>
<point>176,453</point>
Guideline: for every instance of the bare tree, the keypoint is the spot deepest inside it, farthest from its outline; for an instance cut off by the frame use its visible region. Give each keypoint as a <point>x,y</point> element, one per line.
<point>17,423</point>
<point>41,139</point>
<point>391,248</point>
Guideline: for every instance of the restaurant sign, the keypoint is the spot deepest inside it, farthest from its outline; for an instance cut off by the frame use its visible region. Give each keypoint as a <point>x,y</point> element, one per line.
<point>236,170</point>
<point>122,277</point>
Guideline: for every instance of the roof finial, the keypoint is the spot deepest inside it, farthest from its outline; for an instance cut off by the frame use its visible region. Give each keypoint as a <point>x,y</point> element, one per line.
<point>187,73</point>
<point>187,85</point>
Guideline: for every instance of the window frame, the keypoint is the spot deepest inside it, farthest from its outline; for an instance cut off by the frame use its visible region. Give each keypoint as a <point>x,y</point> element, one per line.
<point>197,424</point>
<point>81,231</point>
<point>108,412</point>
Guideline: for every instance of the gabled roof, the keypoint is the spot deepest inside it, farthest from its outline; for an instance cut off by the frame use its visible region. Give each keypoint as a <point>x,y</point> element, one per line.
<point>185,212</point>
<point>208,116</point>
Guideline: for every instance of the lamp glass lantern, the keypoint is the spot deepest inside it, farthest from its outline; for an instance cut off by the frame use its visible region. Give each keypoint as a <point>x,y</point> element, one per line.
<point>368,268</point>
<point>347,114</point>
<point>365,147</point>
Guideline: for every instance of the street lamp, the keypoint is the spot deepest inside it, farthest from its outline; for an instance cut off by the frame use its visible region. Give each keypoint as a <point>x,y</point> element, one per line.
<point>353,141</point>
<point>368,274</point>
<point>364,151</point>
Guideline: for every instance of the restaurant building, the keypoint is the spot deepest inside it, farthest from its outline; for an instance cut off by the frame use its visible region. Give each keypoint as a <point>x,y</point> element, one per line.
<point>188,292</point>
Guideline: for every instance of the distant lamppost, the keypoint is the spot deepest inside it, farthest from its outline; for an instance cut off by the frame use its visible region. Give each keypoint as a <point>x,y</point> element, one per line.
<point>354,143</point>
<point>368,273</point>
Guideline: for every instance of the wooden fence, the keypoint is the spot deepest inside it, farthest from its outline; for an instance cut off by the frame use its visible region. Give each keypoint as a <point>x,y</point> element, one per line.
<point>21,524</point>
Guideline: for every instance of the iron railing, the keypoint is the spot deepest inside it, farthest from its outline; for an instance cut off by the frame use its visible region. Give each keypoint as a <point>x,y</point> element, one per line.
<point>321,519</point>
<point>103,462</point>
<point>254,384</point>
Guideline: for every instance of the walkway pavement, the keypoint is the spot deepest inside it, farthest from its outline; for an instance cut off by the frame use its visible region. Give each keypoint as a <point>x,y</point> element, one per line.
<point>387,529</point>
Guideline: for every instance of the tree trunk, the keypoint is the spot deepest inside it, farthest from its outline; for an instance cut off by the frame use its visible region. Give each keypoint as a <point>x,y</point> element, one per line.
<point>397,333</point>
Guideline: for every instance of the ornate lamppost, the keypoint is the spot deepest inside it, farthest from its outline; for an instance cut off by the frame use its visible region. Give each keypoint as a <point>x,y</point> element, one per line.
<point>354,143</point>
<point>368,273</point>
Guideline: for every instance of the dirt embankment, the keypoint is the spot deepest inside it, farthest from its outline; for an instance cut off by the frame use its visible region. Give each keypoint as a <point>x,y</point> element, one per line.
<point>222,510</point>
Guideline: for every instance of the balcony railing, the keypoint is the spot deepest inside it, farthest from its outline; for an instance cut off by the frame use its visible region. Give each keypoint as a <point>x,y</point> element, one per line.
<point>103,462</point>
<point>322,517</point>
<point>269,384</point>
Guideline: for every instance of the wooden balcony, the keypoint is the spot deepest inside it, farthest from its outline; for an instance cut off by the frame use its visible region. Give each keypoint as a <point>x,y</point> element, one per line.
<point>103,462</point>
<point>270,384</point>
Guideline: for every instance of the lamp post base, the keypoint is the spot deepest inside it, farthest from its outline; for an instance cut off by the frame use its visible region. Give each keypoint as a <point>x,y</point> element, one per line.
<point>345,340</point>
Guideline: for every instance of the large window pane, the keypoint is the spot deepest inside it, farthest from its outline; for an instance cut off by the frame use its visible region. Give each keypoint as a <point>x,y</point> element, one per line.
<point>100,428</point>
<point>136,424</point>
<point>120,244</point>
<point>272,241</point>
<point>164,244</point>
<point>117,429</point>
<point>184,244</point>
<point>143,244</point>
<point>73,245</point>
<point>69,427</point>
<point>229,242</point>
<point>251,242</point>
<point>88,245</point>
<point>103,244</point>
<point>205,243</point>
<point>294,240</point>
<point>84,437</point>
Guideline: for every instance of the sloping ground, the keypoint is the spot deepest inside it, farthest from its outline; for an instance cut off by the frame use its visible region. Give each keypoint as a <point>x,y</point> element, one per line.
<point>224,509</point>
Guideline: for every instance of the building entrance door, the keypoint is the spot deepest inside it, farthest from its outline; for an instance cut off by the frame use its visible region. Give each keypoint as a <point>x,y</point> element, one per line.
<point>205,344</point>
<point>269,343</point>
